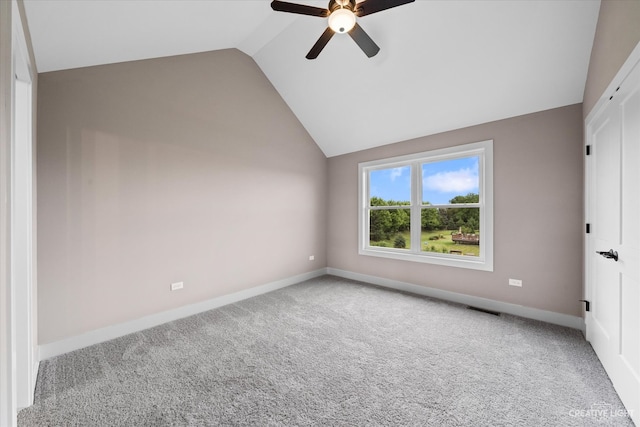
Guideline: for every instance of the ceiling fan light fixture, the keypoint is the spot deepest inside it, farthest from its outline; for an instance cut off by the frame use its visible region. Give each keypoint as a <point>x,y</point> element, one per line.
<point>342,20</point>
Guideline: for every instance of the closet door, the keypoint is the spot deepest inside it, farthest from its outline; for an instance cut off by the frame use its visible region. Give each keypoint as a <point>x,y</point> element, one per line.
<point>613,244</point>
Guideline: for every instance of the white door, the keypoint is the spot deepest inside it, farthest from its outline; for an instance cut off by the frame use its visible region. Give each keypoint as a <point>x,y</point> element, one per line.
<point>613,211</point>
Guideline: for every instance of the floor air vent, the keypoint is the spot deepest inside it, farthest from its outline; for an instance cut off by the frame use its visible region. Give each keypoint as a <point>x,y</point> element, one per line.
<point>482,310</point>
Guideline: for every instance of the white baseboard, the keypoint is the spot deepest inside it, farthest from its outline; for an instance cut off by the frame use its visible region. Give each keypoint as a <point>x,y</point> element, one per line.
<point>574,322</point>
<point>110,332</point>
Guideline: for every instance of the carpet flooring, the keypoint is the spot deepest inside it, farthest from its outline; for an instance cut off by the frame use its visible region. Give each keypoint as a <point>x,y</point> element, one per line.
<point>332,352</point>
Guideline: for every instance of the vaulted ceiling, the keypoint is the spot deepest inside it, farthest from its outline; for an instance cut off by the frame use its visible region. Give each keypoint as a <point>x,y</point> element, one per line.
<point>442,65</point>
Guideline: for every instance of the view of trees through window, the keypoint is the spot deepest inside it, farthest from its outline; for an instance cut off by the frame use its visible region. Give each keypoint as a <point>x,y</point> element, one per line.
<point>449,210</point>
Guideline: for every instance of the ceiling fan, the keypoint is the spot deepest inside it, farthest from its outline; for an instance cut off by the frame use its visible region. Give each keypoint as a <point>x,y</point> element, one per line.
<point>342,19</point>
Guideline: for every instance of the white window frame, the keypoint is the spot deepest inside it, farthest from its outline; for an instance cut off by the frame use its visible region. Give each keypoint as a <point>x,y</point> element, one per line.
<point>484,151</point>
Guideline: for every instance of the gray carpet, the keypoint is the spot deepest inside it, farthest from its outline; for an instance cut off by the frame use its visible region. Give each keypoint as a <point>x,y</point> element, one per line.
<point>331,352</point>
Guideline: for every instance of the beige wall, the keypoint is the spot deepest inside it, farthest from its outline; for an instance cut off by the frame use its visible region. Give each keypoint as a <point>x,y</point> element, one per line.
<point>189,168</point>
<point>617,33</point>
<point>193,169</point>
<point>538,213</point>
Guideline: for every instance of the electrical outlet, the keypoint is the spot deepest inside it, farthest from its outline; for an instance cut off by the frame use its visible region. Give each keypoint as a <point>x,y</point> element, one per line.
<point>515,282</point>
<point>312,257</point>
<point>176,286</point>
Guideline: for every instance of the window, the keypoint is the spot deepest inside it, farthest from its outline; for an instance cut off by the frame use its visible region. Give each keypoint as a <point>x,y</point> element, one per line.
<point>434,207</point>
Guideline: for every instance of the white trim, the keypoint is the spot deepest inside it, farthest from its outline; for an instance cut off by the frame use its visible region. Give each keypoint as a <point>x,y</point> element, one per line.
<point>569,321</point>
<point>622,73</point>
<point>110,332</point>
<point>22,244</point>
<point>8,408</point>
<point>482,149</point>
<point>22,215</point>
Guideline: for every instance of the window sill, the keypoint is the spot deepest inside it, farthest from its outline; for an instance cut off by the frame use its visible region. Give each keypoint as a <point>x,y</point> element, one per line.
<point>473,263</point>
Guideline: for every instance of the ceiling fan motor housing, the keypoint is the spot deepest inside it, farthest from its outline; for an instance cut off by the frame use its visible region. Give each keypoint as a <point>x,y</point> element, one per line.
<point>338,4</point>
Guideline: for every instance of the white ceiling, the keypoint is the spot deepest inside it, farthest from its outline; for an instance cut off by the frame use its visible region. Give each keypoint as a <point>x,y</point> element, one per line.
<point>442,64</point>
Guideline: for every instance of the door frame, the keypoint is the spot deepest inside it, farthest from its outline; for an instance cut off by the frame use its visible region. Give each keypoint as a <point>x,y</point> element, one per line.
<point>16,60</point>
<point>23,244</point>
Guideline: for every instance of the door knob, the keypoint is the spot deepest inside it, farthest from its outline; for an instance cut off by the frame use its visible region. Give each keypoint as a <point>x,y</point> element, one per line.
<point>610,254</point>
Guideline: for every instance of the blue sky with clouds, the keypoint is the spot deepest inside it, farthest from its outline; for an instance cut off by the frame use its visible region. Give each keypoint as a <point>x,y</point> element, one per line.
<point>441,181</point>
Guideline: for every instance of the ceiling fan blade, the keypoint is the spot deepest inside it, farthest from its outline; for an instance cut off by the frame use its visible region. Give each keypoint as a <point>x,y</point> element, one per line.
<point>302,9</point>
<point>320,44</point>
<point>368,7</point>
<point>362,39</point>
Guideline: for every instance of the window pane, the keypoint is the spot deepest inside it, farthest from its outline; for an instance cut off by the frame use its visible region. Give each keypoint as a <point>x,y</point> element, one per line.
<point>390,228</point>
<point>451,231</point>
<point>451,181</point>
<point>390,187</point>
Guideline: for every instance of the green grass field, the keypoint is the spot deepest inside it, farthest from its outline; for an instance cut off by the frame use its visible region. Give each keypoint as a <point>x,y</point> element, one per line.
<point>443,245</point>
